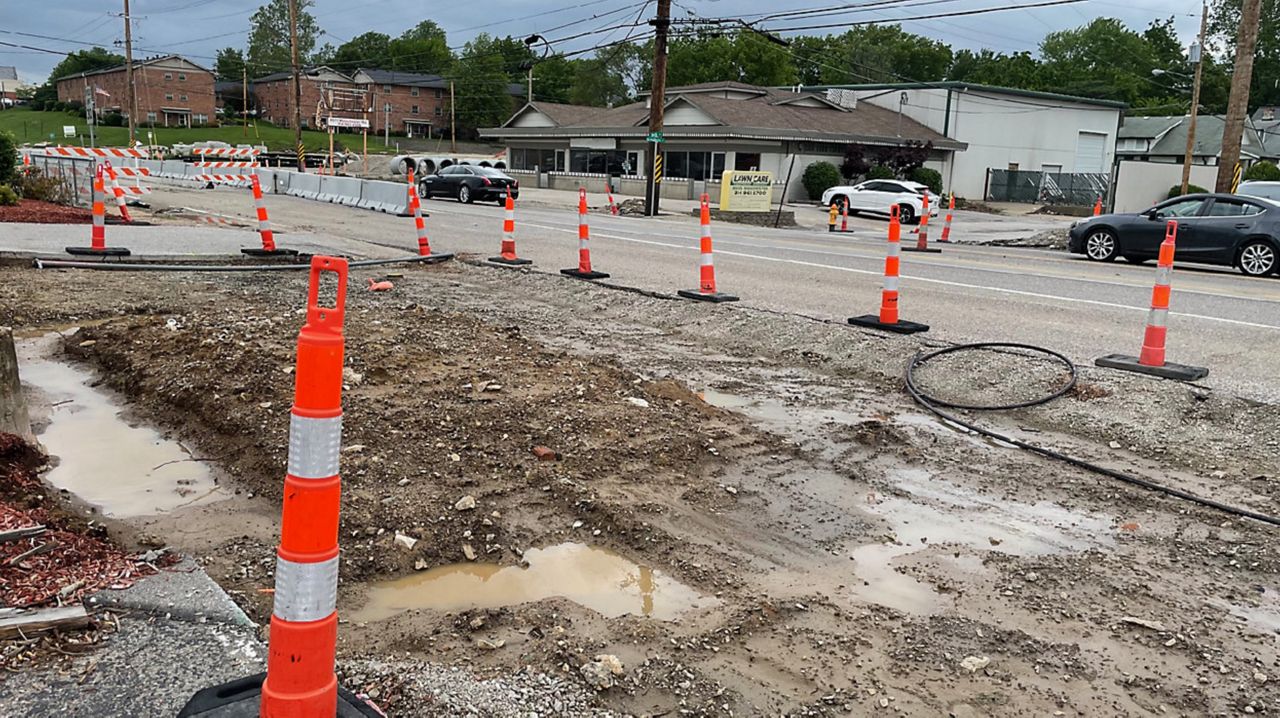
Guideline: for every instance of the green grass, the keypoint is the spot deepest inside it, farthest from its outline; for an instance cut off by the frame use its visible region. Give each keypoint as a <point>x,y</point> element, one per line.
<point>31,126</point>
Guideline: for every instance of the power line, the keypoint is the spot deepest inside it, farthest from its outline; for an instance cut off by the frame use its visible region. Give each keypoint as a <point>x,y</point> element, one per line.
<point>957,13</point>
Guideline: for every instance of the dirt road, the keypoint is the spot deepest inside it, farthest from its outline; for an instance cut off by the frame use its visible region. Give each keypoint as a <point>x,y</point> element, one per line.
<point>787,533</point>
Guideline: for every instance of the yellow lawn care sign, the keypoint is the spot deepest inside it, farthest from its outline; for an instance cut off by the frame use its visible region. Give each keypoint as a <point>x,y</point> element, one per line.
<point>746,191</point>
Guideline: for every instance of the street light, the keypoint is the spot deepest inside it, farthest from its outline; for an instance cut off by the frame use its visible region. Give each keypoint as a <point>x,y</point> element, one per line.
<point>1157,72</point>
<point>528,65</point>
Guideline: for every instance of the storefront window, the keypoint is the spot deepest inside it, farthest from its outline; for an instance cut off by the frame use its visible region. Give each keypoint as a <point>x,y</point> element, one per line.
<point>610,162</point>
<point>694,165</point>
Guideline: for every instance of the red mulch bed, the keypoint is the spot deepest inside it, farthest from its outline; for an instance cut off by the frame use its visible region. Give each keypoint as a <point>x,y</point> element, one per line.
<point>30,211</point>
<point>78,559</point>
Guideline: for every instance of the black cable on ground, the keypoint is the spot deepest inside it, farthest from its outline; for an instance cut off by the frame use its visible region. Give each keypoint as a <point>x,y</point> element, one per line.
<point>937,406</point>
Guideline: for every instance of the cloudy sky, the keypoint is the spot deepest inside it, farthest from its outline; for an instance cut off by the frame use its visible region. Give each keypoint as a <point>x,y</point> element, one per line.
<point>197,28</point>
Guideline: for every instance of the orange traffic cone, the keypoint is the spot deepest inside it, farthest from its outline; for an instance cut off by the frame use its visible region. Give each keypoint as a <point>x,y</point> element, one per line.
<point>508,255</point>
<point>706,290</point>
<point>922,236</point>
<point>946,228</point>
<point>424,243</point>
<point>583,270</point>
<point>888,319</point>
<point>98,237</point>
<point>1151,360</point>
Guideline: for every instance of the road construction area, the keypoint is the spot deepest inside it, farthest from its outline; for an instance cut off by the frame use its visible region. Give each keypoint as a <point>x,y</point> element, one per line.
<point>575,498</point>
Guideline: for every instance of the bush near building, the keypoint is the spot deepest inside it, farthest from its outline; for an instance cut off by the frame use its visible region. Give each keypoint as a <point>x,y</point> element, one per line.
<point>1263,172</point>
<point>820,177</point>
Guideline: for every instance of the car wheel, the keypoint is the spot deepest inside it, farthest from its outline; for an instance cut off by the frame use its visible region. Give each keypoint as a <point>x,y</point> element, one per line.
<point>1101,246</point>
<point>1257,259</point>
<point>423,191</point>
<point>906,214</point>
<point>464,195</point>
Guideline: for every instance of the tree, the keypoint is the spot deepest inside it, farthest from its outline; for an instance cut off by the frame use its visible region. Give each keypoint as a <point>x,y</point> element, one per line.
<point>1103,59</point>
<point>483,99</point>
<point>714,56</point>
<point>423,48</point>
<point>986,67</point>
<point>96,58</point>
<point>229,65</point>
<point>1263,172</point>
<point>1224,23</point>
<point>371,49</point>
<point>269,46</point>
<point>554,78</point>
<point>871,53</point>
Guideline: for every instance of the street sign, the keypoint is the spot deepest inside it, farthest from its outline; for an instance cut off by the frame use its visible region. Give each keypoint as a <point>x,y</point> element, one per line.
<point>348,122</point>
<point>655,137</point>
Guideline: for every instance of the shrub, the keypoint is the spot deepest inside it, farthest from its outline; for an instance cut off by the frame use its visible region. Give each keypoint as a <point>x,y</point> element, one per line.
<point>1176,190</point>
<point>930,178</point>
<point>8,158</point>
<point>34,184</point>
<point>1263,172</point>
<point>8,198</point>
<point>113,119</point>
<point>820,177</point>
<point>880,172</point>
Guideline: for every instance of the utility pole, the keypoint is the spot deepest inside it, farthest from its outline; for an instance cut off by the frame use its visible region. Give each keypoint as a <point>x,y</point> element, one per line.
<point>657,103</point>
<point>453,119</point>
<point>386,124</point>
<point>531,83</point>
<point>244,99</point>
<point>1197,56</point>
<point>297,86</point>
<point>131,97</point>
<point>1238,105</point>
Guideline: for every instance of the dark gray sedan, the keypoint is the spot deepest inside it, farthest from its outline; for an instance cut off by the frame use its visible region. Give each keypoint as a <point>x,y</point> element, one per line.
<point>1223,229</point>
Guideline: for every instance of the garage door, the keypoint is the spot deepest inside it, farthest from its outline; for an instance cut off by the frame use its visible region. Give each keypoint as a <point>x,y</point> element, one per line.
<point>1091,152</point>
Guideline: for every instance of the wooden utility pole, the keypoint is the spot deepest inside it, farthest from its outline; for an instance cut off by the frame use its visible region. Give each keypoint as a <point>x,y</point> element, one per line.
<point>131,96</point>
<point>297,86</point>
<point>657,102</point>
<point>1238,105</point>
<point>244,99</point>
<point>453,119</point>
<point>1195,99</point>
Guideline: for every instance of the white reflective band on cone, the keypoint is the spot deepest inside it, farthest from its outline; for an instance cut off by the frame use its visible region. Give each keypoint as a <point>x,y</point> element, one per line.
<point>582,244</point>
<point>305,592</point>
<point>314,446</point>
<point>1158,318</point>
<point>895,249</point>
<point>891,284</point>
<point>708,260</point>
<point>1164,276</point>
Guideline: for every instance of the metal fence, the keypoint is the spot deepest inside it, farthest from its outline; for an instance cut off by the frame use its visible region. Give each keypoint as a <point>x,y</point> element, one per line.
<point>74,176</point>
<point>1080,189</point>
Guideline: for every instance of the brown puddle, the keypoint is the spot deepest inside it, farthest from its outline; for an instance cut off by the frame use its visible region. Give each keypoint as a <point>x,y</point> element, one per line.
<point>591,577</point>
<point>121,469</point>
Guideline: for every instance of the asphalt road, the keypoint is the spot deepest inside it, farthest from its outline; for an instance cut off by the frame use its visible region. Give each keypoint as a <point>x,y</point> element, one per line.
<point>1220,319</point>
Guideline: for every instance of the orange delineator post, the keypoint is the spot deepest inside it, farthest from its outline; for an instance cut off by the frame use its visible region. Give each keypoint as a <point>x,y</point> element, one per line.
<point>1152,358</point>
<point>268,248</point>
<point>118,192</point>
<point>424,244</point>
<point>1097,207</point>
<point>508,255</point>
<point>844,217</point>
<point>583,270</point>
<point>946,227</point>
<point>613,206</point>
<point>706,290</point>
<point>922,237</point>
<point>98,236</point>
<point>888,318</point>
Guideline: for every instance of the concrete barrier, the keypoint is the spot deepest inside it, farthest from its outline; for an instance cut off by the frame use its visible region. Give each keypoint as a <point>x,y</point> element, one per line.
<point>306,186</point>
<point>339,190</point>
<point>389,197</point>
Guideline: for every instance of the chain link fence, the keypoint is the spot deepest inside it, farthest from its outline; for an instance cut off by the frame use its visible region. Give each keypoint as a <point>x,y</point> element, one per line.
<point>1060,188</point>
<point>73,175</point>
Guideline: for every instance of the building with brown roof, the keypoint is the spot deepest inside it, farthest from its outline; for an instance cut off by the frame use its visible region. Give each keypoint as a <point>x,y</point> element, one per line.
<point>171,91</point>
<point>708,129</point>
<point>321,86</point>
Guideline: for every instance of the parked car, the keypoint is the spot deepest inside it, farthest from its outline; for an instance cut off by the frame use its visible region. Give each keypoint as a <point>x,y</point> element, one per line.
<point>1261,190</point>
<point>879,196</point>
<point>1223,229</point>
<point>468,183</point>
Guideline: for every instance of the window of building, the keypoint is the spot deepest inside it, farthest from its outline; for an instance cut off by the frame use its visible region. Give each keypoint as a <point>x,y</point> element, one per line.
<point>414,92</point>
<point>168,75</point>
<point>386,89</point>
<point>182,77</point>
<point>544,160</point>
<point>168,97</point>
<point>611,162</point>
<point>202,119</point>
<point>184,98</point>
<point>439,93</point>
<point>695,165</point>
<point>439,110</point>
<point>151,118</point>
<point>415,109</point>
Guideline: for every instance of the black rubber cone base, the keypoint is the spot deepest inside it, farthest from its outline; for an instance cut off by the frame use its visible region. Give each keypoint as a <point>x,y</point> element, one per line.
<point>242,699</point>
<point>928,250</point>
<point>578,273</point>
<point>872,321</point>
<point>91,252</point>
<point>1179,372</point>
<point>260,252</point>
<point>715,297</point>
<point>435,258</point>
<point>510,262</point>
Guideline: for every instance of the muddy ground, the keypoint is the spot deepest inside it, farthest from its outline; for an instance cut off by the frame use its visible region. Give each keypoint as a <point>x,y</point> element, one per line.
<point>852,554</point>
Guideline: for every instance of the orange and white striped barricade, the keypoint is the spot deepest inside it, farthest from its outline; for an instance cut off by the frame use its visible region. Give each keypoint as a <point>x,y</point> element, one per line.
<point>946,227</point>
<point>224,152</point>
<point>583,270</point>
<point>300,678</point>
<point>94,152</point>
<point>424,243</point>
<point>922,234</point>
<point>613,206</point>
<point>268,248</point>
<point>98,236</point>
<point>508,255</point>
<point>888,319</point>
<point>1151,360</point>
<point>706,291</point>
<point>118,192</point>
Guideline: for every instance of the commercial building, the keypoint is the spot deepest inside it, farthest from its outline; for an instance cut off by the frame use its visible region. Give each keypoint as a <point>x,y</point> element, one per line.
<point>708,128</point>
<point>171,91</point>
<point>1003,128</point>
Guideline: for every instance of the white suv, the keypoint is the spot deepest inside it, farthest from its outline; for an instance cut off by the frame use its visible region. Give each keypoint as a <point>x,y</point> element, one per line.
<point>1262,190</point>
<point>879,196</point>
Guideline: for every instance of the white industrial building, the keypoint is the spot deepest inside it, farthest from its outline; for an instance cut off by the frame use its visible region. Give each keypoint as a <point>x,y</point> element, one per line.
<point>1002,128</point>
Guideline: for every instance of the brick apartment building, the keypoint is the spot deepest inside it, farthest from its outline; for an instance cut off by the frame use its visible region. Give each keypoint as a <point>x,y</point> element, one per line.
<point>273,95</point>
<point>171,90</point>
<point>406,102</point>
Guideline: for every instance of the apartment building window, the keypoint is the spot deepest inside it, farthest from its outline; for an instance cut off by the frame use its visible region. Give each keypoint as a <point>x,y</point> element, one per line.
<point>169,97</point>
<point>151,118</point>
<point>439,111</point>
<point>386,89</point>
<point>182,77</point>
<point>202,119</point>
<point>184,98</point>
<point>414,92</point>
<point>439,93</point>
<point>415,109</point>
<point>168,75</point>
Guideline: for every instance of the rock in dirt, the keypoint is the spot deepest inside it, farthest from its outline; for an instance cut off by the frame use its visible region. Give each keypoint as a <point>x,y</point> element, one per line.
<point>545,454</point>
<point>637,401</point>
<point>469,552</point>
<point>600,673</point>
<point>491,644</point>
<point>973,664</point>
<point>466,503</point>
<point>1153,625</point>
<point>420,565</point>
<point>407,541</point>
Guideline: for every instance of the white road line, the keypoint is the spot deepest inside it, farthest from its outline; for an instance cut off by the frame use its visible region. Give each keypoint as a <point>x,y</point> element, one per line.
<point>943,282</point>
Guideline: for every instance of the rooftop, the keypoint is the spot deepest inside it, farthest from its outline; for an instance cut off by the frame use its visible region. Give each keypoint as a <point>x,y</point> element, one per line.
<point>975,87</point>
<point>136,64</point>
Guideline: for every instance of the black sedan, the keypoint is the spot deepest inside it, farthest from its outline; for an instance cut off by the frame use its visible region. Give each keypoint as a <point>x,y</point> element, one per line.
<point>468,183</point>
<point>1224,229</point>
